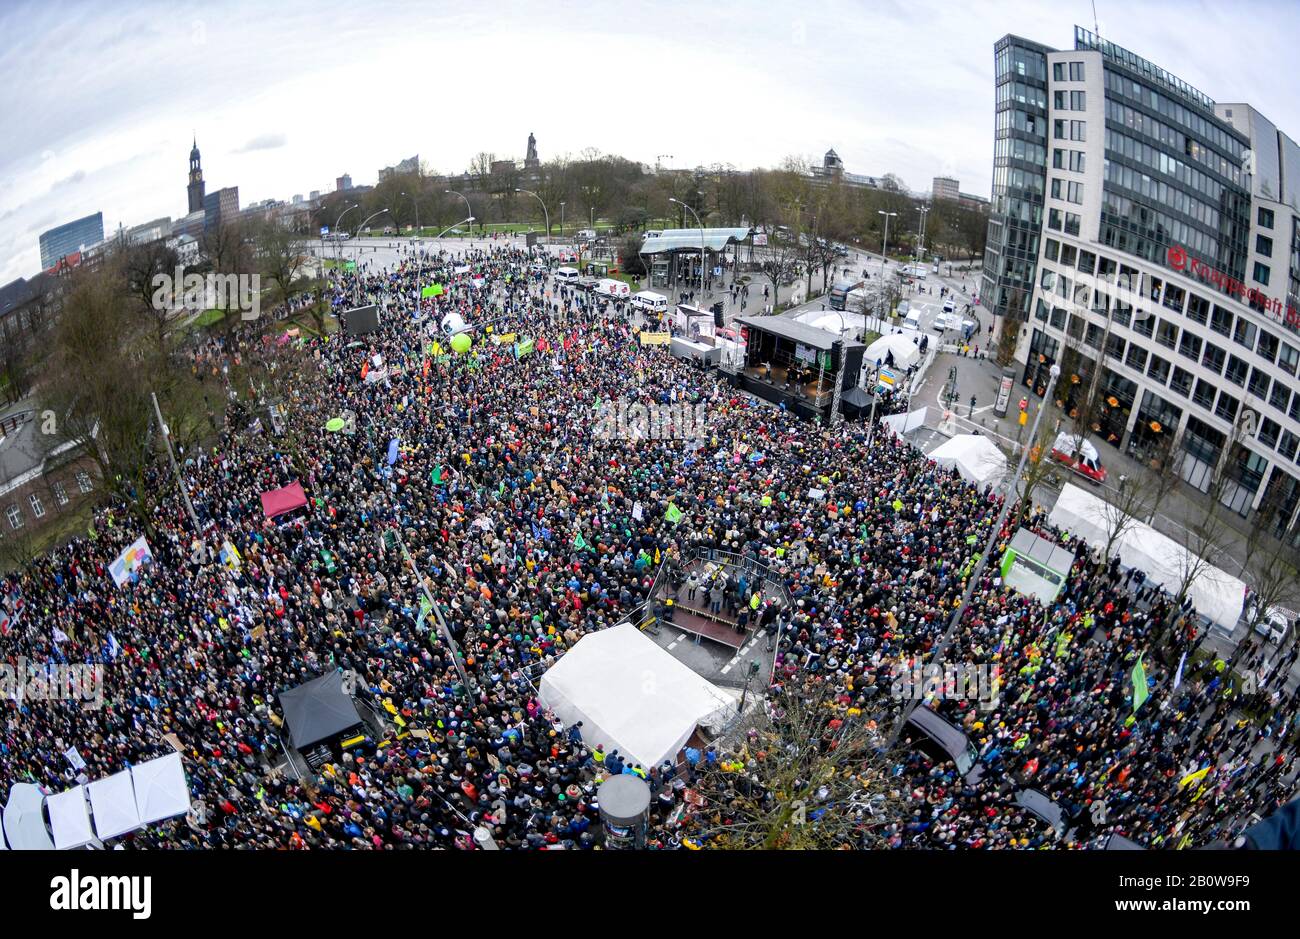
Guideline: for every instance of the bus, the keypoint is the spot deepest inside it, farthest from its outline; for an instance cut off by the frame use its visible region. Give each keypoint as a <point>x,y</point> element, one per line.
<point>840,292</point>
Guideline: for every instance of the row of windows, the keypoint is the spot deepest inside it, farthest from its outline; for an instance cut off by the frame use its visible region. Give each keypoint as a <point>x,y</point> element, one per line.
<point>1117,84</point>
<point>1022,94</point>
<point>1014,177</point>
<point>1157,225</point>
<point>1173,138</point>
<point>1015,119</point>
<point>1163,163</point>
<point>1016,60</point>
<point>15,513</point>
<point>1070,130</point>
<point>1017,148</point>
<point>1067,190</point>
<point>1072,160</point>
<point>1070,100</point>
<point>1075,71</point>
<point>1069,224</point>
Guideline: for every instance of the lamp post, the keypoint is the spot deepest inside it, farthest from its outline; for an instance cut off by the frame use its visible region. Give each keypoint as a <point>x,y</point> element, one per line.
<point>469,209</point>
<point>701,224</point>
<point>561,223</point>
<point>920,249</point>
<point>359,227</point>
<point>545,213</point>
<point>337,222</point>
<point>884,255</point>
<point>978,572</point>
<point>417,214</point>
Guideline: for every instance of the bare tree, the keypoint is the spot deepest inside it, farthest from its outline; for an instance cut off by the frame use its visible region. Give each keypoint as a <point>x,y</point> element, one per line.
<point>1126,509</point>
<point>801,775</point>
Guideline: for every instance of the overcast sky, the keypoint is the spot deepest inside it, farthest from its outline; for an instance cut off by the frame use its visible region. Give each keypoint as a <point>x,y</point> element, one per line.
<point>99,100</point>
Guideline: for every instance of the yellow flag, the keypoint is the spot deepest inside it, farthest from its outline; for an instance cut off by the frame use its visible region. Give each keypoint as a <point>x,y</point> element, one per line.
<point>656,555</point>
<point>1194,777</point>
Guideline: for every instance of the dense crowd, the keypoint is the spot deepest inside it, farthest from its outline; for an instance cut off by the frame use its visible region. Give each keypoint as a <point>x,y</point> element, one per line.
<point>531,527</point>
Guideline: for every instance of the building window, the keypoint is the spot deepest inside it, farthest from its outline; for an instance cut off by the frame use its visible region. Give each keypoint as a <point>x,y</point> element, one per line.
<point>1071,223</point>
<point>1279,396</point>
<point>1078,131</point>
<point>1264,245</point>
<point>1181,381</point>
<point>1214,358</point>
<point>1054,219</point>
<point>1268,432</point>
<point>1221,321</point>
<point>1048,279</point>
<point>1237,371</point>
<point>1158,370</point>
<point>60,493</point>
<point>1167,334</point>
<point>1076,71</point>
<point>1265,217</point>
<point>1190,346</point>
<point>1259,383</point>
<point>1087,263</point>
<point>1058,130</point>
<point>1060,101</point>
<point>1144,324</point>
<point>83,482</point>
<point>1074,193</point>
<point>1058,71</point>
<point>1052,250</point>
<point>1056,189</point>
<point>1245,333</point>
<point>1078,101</point>
<point>1137,358</point>
<point>1069,255</point>
<point>37,508</point>
<point>1288,358</point>
<point>1198,309</point>
<point>1261,273</point>
<point>1115,347</point>
<point>1267,348</point>
<point>1204,395</point>
<point>1076,161</point>
<point>15,515</point>
<point>1226,407</point>
<point>1287,445</point>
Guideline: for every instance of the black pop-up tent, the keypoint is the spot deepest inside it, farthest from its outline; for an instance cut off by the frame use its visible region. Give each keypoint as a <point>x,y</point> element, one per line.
<point>319,710</point>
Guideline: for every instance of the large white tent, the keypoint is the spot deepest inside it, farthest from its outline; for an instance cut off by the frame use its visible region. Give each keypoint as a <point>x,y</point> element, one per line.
<point>70,818</point>
<point>906,352</point>
<point>631,695</point>
<point>112,799</point>
<point>160,788</point>
<point>24,819</point>
<point>1216,594</point>
<point>974,456</point>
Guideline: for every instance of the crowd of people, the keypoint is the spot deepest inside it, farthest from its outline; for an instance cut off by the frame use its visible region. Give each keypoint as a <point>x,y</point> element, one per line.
<point>530,527</point>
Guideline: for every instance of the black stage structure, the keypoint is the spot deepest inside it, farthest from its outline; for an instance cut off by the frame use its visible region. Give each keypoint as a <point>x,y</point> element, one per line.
<point>792,363</point>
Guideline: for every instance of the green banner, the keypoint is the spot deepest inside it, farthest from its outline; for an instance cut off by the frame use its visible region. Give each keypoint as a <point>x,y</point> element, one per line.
<point>433,290</point>
<point>1140,692</point>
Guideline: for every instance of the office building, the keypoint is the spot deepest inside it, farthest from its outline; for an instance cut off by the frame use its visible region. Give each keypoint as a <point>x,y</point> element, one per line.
<point>70,238</point>
<point>343,183</point>
<point>220,207</point>
<point>945,187</point>
<point>1138,222</point>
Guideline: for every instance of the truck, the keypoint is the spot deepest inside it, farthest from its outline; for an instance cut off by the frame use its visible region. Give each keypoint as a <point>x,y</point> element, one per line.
<point>839,295</point>
<point>1080,456</point>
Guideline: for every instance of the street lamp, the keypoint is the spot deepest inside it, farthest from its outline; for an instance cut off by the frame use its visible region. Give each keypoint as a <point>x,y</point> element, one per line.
<point>920,249</point>
<point>884,255</point>
<point>359,227</point>
<point>701,224</point>
<point>469,209</point>
<point>529,192</point>
<point>978,572</point>
<point>417,215</point>
<point>561,222</point>
<point>338,221</point>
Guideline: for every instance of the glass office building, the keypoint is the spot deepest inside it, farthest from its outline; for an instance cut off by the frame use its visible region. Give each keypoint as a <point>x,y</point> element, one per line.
<point>1166,268</point>
<point>70,238</point>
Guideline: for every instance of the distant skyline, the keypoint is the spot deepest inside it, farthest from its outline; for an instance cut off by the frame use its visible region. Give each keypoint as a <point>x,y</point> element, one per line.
<point>101,101</point>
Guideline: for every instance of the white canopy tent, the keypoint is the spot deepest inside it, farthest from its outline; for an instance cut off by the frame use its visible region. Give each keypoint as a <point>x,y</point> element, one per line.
<point>113,801</point>
<point>974,456</point>
<point>160,789</point>
<point>631,695</point>
<point>24,819</point>
<point>70,818</point>
<point>903,424</point>
<point>906,352</point>
<point>1216,594</point>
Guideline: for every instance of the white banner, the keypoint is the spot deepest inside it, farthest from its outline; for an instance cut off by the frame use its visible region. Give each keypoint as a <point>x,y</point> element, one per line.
<point>130,561</point>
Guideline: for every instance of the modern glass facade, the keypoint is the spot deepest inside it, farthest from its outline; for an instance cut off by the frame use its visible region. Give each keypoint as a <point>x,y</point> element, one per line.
<point>71,238</point>
<point>1019,176</point>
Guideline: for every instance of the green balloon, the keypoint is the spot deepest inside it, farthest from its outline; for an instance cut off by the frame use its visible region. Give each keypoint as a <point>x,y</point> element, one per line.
<point>334,425</point>
<point>461,343</point>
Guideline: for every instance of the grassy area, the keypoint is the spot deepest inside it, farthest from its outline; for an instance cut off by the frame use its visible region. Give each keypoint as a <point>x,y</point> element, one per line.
<point>208,318</point>
<point>869,337</point>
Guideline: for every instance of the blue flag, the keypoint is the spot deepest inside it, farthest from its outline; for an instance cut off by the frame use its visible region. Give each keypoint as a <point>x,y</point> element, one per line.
<point>392,451</point>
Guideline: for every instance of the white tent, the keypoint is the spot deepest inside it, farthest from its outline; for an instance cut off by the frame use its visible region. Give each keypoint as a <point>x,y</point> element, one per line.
<point>24,819</point>
<point>113,801</point>
<point>630,695</point>
<point>1216,594</point>
<point>160,788</point>
<point>906,352</point>
<point>69,818</point>
<point>902,424</point>
<point>974,456</point>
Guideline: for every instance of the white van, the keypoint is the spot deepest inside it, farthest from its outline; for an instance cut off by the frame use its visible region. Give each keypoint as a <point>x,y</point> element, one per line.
<point>613,288</point>
<point>913,320</point>
<point>566,274</point>
<point>650,302</point>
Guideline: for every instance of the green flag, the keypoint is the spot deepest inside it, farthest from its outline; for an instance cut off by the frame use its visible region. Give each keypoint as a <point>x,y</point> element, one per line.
<point>433,290</point>
<point>435,478</point>
<point>673,514</point>
<point>580,543</point>
<point>1140,692</point>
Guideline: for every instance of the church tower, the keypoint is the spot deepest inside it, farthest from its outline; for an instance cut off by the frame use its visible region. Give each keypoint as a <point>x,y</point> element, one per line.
<point>196,179</point>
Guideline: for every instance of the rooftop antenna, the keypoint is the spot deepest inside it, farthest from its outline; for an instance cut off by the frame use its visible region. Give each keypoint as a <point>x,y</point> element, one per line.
<point>1096,26</point>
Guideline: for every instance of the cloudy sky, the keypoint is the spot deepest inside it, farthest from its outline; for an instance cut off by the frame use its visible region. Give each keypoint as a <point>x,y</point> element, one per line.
<point>100,100</point>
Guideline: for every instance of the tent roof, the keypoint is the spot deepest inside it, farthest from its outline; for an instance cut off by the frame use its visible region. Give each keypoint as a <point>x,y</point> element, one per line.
<point>1048,553</point>
<point>788,328</point>
<point>318,709</point>
<point>112,799</point>
<point>974,456</point>
<point>905,350</point>
<point>630,694</point>
<point>856,397</point>
<point>24,820</point>
<point>69,818</point>
<point>160,788</point>
<point>278,501</point>
<point>687,239</point>
<point>1216,594</point>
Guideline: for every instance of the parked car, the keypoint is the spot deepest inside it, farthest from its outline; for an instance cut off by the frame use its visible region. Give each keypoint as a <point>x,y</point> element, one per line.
<point>1041,806</point>
<point>1274,624</point>
<point>566,274</point>
<point>940,739</point>
<point>1080,456</point>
